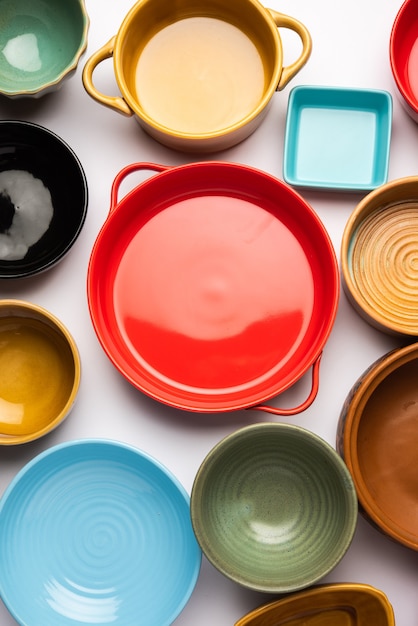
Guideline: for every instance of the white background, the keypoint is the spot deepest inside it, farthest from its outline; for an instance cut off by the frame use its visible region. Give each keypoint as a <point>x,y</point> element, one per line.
<point>350,49</point>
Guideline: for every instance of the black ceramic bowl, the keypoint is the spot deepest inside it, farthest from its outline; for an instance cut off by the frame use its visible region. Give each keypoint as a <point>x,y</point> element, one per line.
<point>43,199</point>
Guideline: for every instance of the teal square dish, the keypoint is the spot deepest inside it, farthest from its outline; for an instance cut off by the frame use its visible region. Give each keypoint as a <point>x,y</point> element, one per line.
<point>337,138</point>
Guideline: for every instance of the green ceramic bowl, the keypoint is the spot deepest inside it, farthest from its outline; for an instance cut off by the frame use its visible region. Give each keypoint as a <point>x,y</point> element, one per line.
<point>41,42</point>
<point>273,507</point>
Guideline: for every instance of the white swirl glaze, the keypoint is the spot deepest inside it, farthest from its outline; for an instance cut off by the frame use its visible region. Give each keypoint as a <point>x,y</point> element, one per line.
<point>33,213</point>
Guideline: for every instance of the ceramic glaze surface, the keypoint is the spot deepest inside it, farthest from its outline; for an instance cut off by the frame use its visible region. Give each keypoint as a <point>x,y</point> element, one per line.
<point>326,605</point>
<point>377,438</point>
<point>273,507</point>
<point>40,372</point>
<point>37,375</point>
<point>96,532</point>
<point>198,298</point>
<point>379,257</point>
<point>386,447</point>
<point>384,263</point>
<point>39,43</point>
<point>25,211</point>
<point>198,76</point>
<point>403,52</point>
<point>209,262</point>
<point>337,138</point>
<point>43,198</point>
<point>413,69</point>
<point>185,67</point>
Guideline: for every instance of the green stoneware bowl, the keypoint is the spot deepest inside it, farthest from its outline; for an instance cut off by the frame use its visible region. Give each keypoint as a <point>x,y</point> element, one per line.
<point>273,507</point>
<point>41,42</point>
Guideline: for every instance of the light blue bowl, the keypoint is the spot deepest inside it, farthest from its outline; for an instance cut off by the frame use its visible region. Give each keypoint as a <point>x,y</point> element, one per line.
<point>96,532</point>
<point>337,138</point>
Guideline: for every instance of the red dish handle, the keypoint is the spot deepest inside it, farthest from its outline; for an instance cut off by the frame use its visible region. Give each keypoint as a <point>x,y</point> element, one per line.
<point>130,169</point>
<point>301,407</point>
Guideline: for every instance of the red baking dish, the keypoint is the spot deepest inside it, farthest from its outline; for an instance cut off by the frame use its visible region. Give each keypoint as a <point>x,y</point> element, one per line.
<point>213,286</point>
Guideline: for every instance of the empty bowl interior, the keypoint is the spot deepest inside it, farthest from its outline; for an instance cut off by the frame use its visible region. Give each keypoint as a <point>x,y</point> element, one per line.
<point>40,40</point>
<point>96,531</point>
<point>273,507</point>
<point>378,257</point>
<point>337,138</point>
<point>43,199</point>
<point>222,295</point>
<point>404,52</point>
<point>337,604</point>
<point>40,372</point>
<point>380,443</point>
<point>175,60</point>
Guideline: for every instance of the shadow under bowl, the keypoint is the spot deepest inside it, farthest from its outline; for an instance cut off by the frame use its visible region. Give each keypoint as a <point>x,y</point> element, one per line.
<point>43,199</point>
<point>273,507</point>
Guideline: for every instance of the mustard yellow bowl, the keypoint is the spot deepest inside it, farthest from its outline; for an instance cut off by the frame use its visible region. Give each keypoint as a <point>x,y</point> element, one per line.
<point>198,74</point>
<point>379,257</point>
<point>339,604</point>
<point>40,372</point>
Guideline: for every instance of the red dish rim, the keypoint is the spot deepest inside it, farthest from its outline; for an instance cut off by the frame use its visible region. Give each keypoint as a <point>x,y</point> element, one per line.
<point>196,180</point>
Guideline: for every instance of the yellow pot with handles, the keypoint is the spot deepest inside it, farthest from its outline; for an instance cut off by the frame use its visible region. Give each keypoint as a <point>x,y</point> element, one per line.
<point>198,75</point>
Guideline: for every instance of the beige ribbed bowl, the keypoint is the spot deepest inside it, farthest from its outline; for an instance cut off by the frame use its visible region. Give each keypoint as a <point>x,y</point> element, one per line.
<point>379,257</point>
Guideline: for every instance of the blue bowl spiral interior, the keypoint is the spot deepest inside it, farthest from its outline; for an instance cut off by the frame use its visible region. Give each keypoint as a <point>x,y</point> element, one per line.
<point>274,507</point>
<point>96,531</point>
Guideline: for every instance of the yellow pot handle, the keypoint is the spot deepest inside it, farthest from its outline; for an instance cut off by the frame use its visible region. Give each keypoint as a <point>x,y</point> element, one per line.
<point>113,102</point>
<point>285,21</point>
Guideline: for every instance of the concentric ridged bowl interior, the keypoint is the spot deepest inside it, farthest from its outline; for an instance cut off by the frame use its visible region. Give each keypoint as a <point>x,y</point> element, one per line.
<point>274,507</point>
<point>385,263</point>
<point>95,531</point>
<point>379,257</point>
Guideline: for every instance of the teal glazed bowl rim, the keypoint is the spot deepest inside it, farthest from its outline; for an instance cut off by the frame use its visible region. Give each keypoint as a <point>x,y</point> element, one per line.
<point>35,61</point>
<point>98,531</point>
<point>319,152</point>
<point>273,507</point>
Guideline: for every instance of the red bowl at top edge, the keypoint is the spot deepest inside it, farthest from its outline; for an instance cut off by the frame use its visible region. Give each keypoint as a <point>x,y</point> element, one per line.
<point>403,51</point>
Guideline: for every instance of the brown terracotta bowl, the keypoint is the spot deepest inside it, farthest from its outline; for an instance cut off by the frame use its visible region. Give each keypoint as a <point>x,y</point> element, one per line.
<point>378,440</point>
